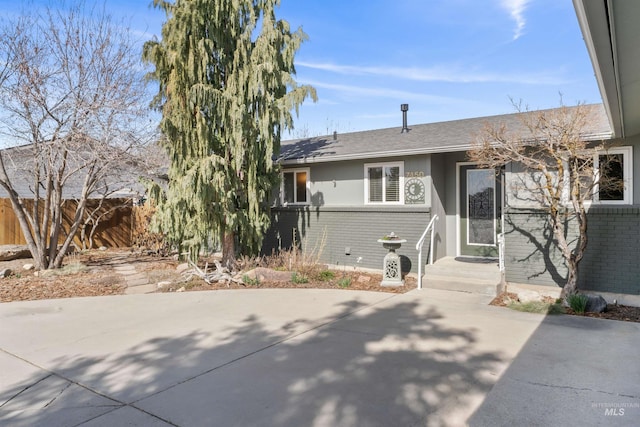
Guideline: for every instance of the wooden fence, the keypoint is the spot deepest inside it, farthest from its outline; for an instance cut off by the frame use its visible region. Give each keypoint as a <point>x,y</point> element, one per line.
<point>114,231</point>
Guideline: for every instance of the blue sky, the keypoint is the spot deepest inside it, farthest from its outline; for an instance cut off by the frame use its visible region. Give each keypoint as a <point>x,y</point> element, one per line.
<point>448,59</point>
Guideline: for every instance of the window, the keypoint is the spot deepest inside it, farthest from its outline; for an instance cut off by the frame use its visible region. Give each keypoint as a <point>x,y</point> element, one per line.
<point>295,186</point>
<point>384,183</point>
<point>607,177</point>
<point>614,173</point>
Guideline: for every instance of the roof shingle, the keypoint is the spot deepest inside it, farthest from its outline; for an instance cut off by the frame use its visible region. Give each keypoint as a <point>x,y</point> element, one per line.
<point>450,136</point>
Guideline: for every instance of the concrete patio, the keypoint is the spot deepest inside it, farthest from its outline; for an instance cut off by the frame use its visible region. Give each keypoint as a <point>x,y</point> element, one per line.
<point>311,358</point>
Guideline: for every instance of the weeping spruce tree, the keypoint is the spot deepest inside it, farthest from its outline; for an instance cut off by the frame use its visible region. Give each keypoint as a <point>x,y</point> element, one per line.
<point>226,92</point>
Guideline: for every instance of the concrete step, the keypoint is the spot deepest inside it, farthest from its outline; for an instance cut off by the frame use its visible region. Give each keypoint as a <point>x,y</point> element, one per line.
<point>463,275</point>
<point>450,267</point>
<point>457,278</point>
<point>472,287</point>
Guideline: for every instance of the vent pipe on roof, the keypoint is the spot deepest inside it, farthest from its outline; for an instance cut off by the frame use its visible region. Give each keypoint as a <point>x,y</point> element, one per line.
<point>404,108</point>
<point>335,135</point>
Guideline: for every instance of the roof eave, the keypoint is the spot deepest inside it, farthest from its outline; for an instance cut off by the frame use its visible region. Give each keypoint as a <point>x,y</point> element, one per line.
<point>373,155</point>
<point>402,153</point>
<point>596,27</point>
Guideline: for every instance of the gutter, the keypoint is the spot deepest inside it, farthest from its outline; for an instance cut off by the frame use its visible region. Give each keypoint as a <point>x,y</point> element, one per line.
<point>372,155</point>
<point>401,153</point>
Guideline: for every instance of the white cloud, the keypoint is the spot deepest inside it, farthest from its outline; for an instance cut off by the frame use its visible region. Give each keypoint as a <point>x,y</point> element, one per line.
<point>377,92</point>
<point>451,74</point>
<point>359,90</point>
<point>516,9</point>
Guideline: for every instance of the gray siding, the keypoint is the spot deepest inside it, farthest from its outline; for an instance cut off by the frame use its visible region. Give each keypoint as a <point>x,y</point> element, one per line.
<point>611,262</point>
<point>342,183</point>
<point>356,228</point>
<point>337,184</point>
<point>531,254</point>
<point>438,200</point>
<point>451,207</point>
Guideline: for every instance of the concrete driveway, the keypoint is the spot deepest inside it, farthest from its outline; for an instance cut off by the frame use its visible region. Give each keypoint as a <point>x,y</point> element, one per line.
<point>311,358</point>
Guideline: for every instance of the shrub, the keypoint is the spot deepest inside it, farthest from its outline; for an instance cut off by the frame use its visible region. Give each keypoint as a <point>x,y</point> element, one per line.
<point>74,267</point>
<point>529,307</point>
<point>251,281</point>
<point>300,257</point>
<point>326,275</point>
<point>299,278</point>
<point>578,302</point>
<point>345,282</point>
<point>537,307</point>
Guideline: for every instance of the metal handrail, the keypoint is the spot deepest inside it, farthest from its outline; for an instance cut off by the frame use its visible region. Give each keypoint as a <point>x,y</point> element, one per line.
<point>419,246</point>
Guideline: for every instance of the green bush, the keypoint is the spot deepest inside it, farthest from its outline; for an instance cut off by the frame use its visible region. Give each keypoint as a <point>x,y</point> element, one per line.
<point>326,275</point>
<point>578,302</point>
<point>298,278</point>
<point>345,282</point>
<point>251,281</point>
<point>556,308</point>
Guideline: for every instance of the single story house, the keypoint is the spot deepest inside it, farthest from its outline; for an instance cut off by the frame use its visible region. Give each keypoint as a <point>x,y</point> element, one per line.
<point>341,193</point>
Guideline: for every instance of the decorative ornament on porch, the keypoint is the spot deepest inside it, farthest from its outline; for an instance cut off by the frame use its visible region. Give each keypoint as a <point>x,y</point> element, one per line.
<point>392,269</point>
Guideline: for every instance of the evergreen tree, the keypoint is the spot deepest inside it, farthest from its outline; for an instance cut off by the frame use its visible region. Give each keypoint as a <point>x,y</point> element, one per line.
<point>226,92</point>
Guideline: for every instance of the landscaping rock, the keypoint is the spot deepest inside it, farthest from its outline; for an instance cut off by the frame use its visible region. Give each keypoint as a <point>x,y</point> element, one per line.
<point>28,267</point>
<point>266,274</point>
<point>596,304</point>
<point>11,252</point>
<point>364,279</point>
<point>164,284</point>
<point>182,289</point>
<point>529,296</point>
<point>181,268</point>
<point>5,273</point>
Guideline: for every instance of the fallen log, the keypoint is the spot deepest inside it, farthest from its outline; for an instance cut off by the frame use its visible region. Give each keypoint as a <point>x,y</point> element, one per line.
<point>11,252</point>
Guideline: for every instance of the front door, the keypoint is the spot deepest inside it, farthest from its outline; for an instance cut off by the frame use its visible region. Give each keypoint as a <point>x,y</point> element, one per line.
<point>479,211</point>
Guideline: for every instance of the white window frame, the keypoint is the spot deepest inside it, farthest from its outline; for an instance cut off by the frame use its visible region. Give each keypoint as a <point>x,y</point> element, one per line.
<point>367,166</point>
<point>295,186</point>
<point>627,171</point>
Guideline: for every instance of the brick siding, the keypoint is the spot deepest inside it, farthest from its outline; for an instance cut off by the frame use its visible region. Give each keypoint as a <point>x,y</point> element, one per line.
<point>611,262</point>
<point>356,228</point>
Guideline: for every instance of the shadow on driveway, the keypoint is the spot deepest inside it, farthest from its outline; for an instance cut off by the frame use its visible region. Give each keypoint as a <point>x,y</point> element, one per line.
<point>396,364</point>
<point>573,371</point>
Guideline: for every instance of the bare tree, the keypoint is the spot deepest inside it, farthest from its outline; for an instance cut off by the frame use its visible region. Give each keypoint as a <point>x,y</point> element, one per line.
<point>150,163</point>
<point>554,151</point>
<point>73,107</point>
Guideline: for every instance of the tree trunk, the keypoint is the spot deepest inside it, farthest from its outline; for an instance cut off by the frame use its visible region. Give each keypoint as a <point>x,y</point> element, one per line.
<point>229,250</point>
<point>571,287</point>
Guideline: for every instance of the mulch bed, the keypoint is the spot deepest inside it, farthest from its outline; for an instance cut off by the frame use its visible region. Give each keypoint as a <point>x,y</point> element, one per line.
<point>34,288</point>
<point>359,282</point>
<point>100,279</point>
<point>614,311</point>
